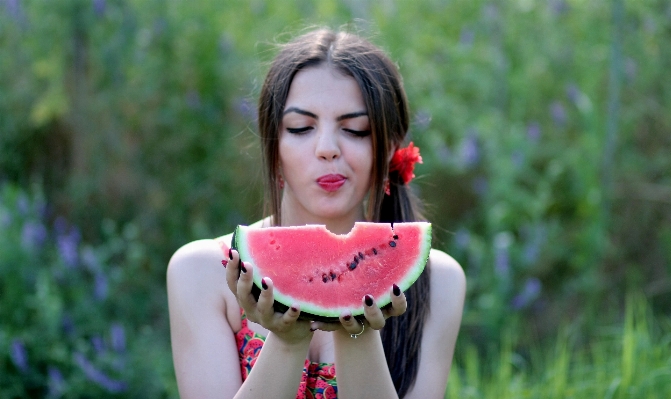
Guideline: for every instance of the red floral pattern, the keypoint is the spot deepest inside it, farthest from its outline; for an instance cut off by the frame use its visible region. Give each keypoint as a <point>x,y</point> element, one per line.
<point>318,380</point>
<point>404,161</point>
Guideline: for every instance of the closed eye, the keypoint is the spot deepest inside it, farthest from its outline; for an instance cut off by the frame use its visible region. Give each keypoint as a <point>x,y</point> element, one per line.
<point>358,133</point>
<point>298,130</point>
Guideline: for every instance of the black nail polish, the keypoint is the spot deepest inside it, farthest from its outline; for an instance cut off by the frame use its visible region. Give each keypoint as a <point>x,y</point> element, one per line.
<point>242,267</point>
<point>230,254</point>
<point>347,318</point>
<point>264,284</point>
<point>397,291</point>
<point>369,300</point>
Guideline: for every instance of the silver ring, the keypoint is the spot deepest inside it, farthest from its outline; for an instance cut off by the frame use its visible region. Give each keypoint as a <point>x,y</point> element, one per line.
<point>363,327</point>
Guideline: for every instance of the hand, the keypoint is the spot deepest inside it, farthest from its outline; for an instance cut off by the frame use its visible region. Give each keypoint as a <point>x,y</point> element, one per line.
<point>374,317</point>
<point>285,325</point>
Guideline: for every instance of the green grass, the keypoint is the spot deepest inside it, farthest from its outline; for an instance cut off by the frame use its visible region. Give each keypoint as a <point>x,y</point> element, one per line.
<point>631,359</point>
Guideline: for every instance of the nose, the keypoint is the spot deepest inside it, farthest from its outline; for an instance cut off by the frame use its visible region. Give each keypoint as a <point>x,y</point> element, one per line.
<point>327,147</point>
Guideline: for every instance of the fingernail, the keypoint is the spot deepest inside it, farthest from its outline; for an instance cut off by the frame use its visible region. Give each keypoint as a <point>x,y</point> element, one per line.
<point>369,300</point>
<point>224,262</point>
<point>230,253</point>
<point>294,309</point>
<point>263,283</point>
<point>242,267</point>
<point>397,291</point>
<point>347,318</point>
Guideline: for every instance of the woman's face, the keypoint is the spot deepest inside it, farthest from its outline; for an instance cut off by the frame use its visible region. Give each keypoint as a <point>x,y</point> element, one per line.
<point>325,148</point>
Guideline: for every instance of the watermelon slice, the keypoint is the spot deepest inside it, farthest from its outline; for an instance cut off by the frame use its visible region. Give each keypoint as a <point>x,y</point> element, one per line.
<point>328,273</point>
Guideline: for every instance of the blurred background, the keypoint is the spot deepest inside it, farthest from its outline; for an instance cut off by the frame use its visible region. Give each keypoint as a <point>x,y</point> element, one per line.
<point>127,128</point>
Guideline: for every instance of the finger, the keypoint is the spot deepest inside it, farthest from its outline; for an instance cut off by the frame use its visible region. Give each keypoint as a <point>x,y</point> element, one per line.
<point>265,304</point>
<point>232,270</point>
<point>350,324</point>
<point>398,304</point>
<point>291,315</point>
<point>372,313</point>
<point>244,287</point>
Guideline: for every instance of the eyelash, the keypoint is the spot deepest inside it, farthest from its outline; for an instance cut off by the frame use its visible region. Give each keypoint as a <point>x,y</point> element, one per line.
<point>302,130</point>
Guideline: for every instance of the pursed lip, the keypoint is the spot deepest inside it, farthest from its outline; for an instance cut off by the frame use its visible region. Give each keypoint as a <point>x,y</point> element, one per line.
<point>331,182</point>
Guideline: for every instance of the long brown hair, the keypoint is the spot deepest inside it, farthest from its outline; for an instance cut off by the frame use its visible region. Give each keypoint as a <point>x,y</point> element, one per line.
<point>382,89</point>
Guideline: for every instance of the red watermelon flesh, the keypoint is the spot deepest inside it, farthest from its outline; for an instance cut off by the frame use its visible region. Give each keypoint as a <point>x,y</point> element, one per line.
<point>328,274</point>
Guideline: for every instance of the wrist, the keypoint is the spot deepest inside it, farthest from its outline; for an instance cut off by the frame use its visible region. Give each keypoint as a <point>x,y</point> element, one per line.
<point>289,345</point>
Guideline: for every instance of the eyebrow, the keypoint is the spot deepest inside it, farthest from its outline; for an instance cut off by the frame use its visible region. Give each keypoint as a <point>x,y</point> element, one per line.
<point>311,115</point>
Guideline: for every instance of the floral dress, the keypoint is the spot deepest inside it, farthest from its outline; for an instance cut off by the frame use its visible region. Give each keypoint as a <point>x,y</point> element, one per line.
<point>318,380</point>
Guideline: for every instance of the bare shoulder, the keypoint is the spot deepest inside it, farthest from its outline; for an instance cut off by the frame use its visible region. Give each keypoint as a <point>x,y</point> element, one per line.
<point>446,272</point>
<point>195,275</point>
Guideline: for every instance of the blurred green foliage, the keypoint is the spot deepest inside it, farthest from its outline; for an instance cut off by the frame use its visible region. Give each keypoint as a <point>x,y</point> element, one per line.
<point>544,129</point>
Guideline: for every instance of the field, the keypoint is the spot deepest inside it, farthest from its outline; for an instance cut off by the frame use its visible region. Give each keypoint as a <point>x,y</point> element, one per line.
<point>127,128</point>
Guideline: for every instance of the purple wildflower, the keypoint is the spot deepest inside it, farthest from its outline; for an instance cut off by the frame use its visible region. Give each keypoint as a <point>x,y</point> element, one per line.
<point>192,99</point>
<point>118,335</point>
<point>60,225</point>
<point>97,376</point>
<point>99,7</point>
<point>245,108</point>
<point>101,286</point>
<point>13,8</point>
<point>56,382</point>
<point>558,7</point>
<point>466,37</point>
<point>530,292</point>
<point>502,242</point>
<point>558,113</point>
<point>68,325</point>
<point>68,247</point>
<point>19,356</point>
<point>533,131</point>
<point>469,151</point>
<point>23,205</point>
<point>573,93</point>
<point>98,344</point>
<point>33,235</point>
<point>490,12</point>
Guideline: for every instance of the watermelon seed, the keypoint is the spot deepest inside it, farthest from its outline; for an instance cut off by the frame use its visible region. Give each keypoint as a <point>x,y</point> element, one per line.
<point>311,280</point>
<point>325,278</point>
<point>360,256</point>
<point>352,266</point>
<point>395,237</point>
<point>333,276</point>
<point>375,251</point>
<point>392,244</point>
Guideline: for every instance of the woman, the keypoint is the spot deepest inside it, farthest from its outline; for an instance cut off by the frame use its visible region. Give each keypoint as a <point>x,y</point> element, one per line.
<point>332,119</point>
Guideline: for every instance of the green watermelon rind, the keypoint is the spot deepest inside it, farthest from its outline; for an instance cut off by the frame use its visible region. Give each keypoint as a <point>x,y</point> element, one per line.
<point>313,312</point>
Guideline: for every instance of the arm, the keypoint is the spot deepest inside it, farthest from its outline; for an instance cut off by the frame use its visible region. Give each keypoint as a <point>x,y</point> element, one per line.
<point>448,290</point>
<point>204,349</point>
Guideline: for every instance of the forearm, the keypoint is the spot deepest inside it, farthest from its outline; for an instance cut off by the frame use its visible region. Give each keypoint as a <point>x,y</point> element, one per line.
<point>277,371</point>
<point>361,366</point>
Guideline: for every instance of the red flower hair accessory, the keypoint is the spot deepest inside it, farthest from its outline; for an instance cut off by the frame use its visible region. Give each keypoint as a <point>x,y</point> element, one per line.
<point>404,161</point>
